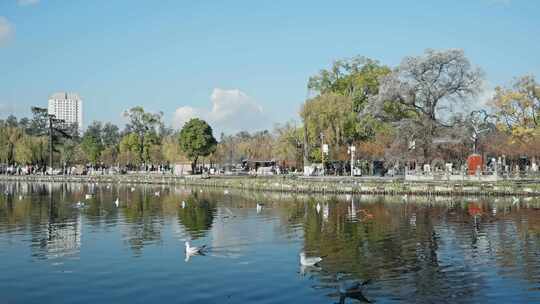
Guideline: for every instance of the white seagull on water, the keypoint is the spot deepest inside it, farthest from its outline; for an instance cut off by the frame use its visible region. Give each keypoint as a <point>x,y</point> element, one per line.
<point>117,202</point>
<point>183,204</point>
<point>259,207</point>
<point>311,261</point>
<point>194,250</point>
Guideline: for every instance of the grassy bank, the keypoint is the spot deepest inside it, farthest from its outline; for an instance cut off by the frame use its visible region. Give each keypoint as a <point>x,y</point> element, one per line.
<point>328,185</point>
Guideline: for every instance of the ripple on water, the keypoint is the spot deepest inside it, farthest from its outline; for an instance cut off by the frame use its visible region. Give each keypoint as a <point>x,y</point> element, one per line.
<point>412,252</point>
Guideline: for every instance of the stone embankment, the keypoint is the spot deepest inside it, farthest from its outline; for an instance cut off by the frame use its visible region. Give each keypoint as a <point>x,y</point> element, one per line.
<point>306,185</point>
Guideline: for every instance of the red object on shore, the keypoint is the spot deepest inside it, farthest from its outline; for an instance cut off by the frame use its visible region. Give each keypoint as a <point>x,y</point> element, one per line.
<point>474,209</point>
<point>474,162</point>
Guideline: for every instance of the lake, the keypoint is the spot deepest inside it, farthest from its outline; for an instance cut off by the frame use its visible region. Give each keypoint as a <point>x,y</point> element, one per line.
<point>70,243</point>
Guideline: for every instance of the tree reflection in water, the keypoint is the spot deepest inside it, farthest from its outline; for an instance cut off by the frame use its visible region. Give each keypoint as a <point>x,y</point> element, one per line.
<point>422,250</point>
<point>198,215</point>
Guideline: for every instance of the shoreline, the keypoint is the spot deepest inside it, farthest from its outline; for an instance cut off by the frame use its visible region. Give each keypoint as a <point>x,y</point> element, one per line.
<point>310,185</point>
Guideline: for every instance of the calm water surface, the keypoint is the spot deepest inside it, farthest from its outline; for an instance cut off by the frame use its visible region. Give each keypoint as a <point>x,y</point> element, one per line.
<point>424,250</point>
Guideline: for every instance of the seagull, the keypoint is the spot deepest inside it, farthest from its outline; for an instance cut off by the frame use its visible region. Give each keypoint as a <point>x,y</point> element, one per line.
<point>318,208</point>
<point>88,196</point>
<point>188,256</point>
<point>311,261</point>
<point>20,197</point>
<point>132,189</point>
<point>117,202</point>
<point>156,193</point>
<point>259,207</point>
<point>194,250</point>
<point>183,204</point>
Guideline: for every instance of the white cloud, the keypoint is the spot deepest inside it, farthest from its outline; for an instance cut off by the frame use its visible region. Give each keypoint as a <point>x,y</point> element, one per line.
<point>231,111</point>
<point>185,113</point>
<point>27,2</point>
<point>7,30</point>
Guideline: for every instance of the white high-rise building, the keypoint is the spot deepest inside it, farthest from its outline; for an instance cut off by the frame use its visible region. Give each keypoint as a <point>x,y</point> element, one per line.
<point>67,106</point>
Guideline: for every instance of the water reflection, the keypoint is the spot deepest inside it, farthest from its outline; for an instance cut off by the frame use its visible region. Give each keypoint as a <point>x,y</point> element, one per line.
<point>419,249</point>
<point>198,215</point>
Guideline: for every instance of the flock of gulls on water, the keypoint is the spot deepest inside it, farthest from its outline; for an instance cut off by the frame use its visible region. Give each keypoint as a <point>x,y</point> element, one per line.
<point>346,289</point>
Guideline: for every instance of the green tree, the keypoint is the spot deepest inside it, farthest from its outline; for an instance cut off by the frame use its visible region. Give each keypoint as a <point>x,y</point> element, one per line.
<point>68,152</point>
<point>32,150</point>
<point>196,140</point>
<point>92,144</point>
<point>357,78</point>
<point>92,147</point>
<point>9,138</point>
<point>11,121</point>
<point>337,111</point>
<point>109,155</point>
<point>329,115</point>
<point>144,125</point>
<point>39,124</point>
<point>171,150</point>
<point>288,144</point>
<point>129,149</point>
<point>110,135</point>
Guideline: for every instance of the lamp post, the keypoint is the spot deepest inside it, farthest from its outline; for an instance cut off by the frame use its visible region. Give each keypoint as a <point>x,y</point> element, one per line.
<point>351,151</point>
<point>324,149</point>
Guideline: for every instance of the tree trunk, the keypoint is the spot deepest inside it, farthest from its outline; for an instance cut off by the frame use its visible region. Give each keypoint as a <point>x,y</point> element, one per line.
<point>194,165</point>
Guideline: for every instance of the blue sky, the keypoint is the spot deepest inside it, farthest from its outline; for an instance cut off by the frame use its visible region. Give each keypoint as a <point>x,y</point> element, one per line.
<point>239,64</point>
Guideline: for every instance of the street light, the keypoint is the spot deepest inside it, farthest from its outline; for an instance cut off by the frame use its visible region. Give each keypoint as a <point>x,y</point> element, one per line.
<point>351,151</point>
